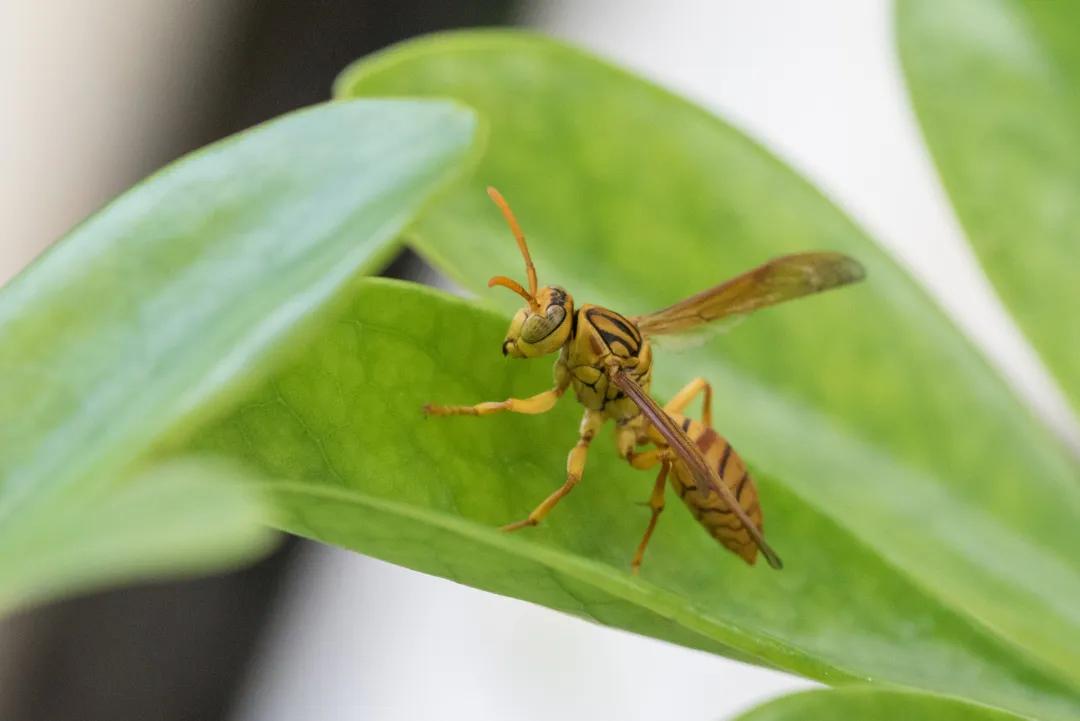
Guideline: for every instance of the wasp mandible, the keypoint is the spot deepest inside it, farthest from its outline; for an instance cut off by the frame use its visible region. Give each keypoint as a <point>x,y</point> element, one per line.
<point>607,359</point>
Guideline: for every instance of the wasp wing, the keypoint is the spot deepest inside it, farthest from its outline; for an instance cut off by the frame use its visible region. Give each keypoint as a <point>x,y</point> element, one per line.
<point>696,336</point>
<point>783,278</point>
<point>689,454</point>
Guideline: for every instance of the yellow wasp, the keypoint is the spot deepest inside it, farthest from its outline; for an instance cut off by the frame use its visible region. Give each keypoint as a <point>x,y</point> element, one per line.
<point>607,359</point>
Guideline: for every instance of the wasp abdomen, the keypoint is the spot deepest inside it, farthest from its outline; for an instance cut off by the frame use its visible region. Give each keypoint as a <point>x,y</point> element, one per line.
<point>707,505</point>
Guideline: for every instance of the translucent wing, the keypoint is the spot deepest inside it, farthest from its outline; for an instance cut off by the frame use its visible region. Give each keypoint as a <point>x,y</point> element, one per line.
<point>696,336</point>
<point>703,475</point>
<point>783,278</point>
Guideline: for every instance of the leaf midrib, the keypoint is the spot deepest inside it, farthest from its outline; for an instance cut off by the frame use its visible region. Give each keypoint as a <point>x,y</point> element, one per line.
<point>757,644</point>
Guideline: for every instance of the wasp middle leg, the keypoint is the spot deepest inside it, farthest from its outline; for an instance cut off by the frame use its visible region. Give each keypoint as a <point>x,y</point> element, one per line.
<point>575,466</point>
<point>633,431</point>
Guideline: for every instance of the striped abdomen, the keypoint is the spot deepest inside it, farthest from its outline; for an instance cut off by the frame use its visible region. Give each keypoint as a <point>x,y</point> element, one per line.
<point>706,503</point>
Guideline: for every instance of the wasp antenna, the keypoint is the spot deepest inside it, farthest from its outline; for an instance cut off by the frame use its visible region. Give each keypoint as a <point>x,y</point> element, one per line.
<point>514,286</point>
<point>530,269</point>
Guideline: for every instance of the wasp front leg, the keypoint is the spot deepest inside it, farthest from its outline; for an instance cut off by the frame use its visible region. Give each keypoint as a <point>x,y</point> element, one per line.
<point>540,403</point>
<point>575,466</point>
<point>533,405</point>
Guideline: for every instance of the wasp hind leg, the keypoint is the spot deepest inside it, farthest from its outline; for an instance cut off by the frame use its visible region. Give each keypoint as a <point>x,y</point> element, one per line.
<point>644,460</point>
<point>682,399</point>
<point>656,504</point>
<point>575,466</point>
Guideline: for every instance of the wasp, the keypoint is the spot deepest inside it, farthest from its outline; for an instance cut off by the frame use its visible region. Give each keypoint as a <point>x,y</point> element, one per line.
<point>607,359</point>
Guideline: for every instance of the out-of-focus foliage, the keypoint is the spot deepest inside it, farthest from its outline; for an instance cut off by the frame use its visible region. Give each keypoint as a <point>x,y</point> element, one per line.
<point>158,310</point>
<point>180,517</point>
<point>996,85</point>
<point>865,703</point>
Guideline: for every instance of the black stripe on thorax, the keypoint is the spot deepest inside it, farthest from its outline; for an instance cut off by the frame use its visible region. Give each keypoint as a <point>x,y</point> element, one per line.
<point>621,323</point>
<point>627,335</point>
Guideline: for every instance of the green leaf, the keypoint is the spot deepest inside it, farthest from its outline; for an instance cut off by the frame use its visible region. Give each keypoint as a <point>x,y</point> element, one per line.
<point>182,517</point>
<point>862,702</point>
<point>875,417</point>
<point>163,307</point>
<point>996,86</point>
<point>362,468</point>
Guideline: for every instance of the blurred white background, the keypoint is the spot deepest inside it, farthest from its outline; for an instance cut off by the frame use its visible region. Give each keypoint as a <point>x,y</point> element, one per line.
<point>91,89</point>
<point>353,638</point>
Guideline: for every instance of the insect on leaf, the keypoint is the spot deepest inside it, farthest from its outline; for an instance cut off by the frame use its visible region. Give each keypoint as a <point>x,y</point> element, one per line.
<point>865,414</point>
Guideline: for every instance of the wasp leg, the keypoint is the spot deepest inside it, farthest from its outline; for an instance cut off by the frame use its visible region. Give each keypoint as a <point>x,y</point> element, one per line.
<point>656,503</point>
<point>645,460</point>
<point>540,403</point>
<point>575,465</point>
<point>682,399</point>
<point>625,437</point>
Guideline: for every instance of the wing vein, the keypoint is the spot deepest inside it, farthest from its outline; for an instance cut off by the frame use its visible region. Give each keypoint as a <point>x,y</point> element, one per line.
<point>779,280</point>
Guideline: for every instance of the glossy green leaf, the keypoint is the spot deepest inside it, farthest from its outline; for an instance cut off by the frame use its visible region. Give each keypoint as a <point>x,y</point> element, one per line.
<point>875,417</point>
<point>361,467</point>
<point>165,305</point>
<point>996,86</point>
<point>866,703</point>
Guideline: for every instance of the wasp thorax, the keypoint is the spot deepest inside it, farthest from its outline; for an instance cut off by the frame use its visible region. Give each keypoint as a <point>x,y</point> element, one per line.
<point>534,333</point>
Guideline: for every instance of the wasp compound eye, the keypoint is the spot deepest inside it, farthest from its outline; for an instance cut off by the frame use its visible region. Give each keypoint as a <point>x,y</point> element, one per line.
<point>538,327</point>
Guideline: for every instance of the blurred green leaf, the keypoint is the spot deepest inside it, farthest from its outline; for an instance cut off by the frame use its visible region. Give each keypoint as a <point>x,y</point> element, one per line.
<point>996,86</point>
<point>182,517</point>
<point>861,702</point>
<point>164,306</point>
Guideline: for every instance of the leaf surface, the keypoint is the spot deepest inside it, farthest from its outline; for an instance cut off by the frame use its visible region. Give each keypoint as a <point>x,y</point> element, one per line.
<point>163,307</point>
<point>360,467</point>
<point>875,417</point>
<point>183,517</point>
<point>870,703</point>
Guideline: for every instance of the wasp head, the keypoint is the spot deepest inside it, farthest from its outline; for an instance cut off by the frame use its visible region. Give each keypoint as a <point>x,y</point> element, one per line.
<point>543,325</point>
<point>541,330</point>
